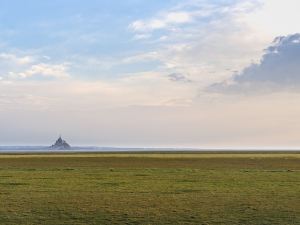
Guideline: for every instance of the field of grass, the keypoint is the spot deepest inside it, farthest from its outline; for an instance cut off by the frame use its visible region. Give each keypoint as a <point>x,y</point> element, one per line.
<point>150,188</point>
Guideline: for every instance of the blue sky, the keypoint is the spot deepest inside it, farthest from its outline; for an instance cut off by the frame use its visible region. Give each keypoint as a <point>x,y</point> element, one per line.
<point>64,31</point>
<point>61,29</point>
<point>150,73</point>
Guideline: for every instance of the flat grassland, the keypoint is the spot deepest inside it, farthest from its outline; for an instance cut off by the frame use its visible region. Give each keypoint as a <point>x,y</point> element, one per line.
<point>150,188</point>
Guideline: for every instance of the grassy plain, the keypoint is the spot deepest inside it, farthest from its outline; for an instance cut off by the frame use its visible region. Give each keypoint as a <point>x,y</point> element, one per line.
<point>150,188</point>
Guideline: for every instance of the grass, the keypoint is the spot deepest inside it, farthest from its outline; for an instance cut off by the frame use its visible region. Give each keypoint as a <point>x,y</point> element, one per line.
<point>151,188</point>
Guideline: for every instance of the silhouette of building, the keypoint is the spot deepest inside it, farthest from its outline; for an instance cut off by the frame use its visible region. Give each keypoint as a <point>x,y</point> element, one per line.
<point>60,144</point>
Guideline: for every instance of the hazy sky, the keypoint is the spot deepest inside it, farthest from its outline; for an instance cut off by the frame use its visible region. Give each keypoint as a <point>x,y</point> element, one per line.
<point>193,73</point>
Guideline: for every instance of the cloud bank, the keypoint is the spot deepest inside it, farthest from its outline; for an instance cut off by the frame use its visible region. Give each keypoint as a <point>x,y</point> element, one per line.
<point>279,68</point>
<point>280,64</point>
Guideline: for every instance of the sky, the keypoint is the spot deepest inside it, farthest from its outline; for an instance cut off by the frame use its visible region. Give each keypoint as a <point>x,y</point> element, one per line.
<point>172,73</point>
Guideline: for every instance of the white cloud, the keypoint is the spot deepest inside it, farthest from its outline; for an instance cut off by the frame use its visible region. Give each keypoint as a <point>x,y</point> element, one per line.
<point>144,89</point>
<point>22,66</point>
<point>142,36</point>
<point>165,20</point>
<point>274,18</point>
<point>19,60</point>
<point>149,56</point>
<point>213,45</point>
<point>44,70</point>
<point>232,37</point>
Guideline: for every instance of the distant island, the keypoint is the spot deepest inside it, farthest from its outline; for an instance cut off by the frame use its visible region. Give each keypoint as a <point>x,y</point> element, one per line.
<point>60,144</point>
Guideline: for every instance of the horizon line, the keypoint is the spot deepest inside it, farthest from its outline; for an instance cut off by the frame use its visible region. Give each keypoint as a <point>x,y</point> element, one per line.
<point>200,148</point>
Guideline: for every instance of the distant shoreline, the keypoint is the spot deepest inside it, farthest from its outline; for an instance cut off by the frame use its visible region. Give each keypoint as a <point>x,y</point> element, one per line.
<point>95,149</point>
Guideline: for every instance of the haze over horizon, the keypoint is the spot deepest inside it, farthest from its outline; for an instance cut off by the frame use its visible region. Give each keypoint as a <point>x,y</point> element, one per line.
<point>173,73</point>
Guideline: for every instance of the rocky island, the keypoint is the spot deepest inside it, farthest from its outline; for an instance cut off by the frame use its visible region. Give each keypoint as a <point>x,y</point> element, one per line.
<point>60,144</point>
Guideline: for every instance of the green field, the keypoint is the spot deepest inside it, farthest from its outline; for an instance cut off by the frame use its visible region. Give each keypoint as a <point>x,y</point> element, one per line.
<point>160,188</point>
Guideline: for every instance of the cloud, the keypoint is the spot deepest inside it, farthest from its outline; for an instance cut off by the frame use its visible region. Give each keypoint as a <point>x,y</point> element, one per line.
<point>164,20</point>
<point>40,70</point>
<point>25,65</point>
<point>208,46</point>
<point>142,89</point>
<point>177,77</point>
<point>274,18</point>
<point>280,64</point>
<point>148,56</point>
<point>44,70</point>
<point>19,60</point>
<point>278,68</point>
<point>142,36</point>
